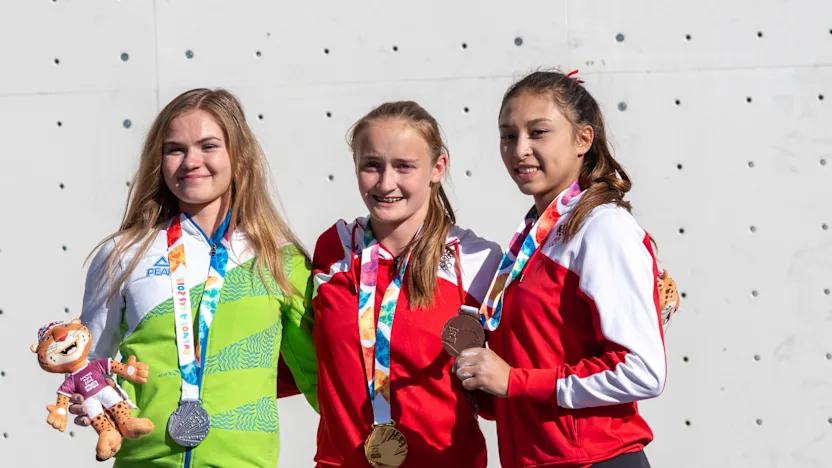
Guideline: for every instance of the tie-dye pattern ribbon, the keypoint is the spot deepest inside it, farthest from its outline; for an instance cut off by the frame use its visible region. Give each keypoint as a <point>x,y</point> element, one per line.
<point>375,338</point>
<point>532,233</point>
<point>190,357</point>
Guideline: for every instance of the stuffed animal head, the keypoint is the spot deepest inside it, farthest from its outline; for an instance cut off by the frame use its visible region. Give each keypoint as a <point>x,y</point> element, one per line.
<point>63,346</point>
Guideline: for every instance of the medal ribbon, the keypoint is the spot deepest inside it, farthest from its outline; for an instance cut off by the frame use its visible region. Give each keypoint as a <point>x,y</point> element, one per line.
<point>530,235</point>
<point>375,338</point>
<point>189,360</point>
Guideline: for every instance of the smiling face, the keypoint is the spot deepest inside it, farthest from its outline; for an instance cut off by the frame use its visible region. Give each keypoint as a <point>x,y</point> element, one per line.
<point>196,166</point>
<point>64,347</point>
<point>395,171</point>
<point>541,149</point>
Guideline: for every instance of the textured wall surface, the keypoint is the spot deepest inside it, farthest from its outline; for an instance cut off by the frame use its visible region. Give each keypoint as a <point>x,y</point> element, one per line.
<point>716,108</point>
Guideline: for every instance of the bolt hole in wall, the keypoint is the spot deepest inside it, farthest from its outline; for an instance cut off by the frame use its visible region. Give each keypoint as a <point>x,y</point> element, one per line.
<point>125,56</point>
<point>189,54</point>
<point>518,41</point>
<point>687,422</point>
<point>59,123</point>
<point>751,164</point>
<point>759,421</point>
<point>328,114</point>
<point>258,54</point>
<point>622,106</point>
<point>330,177</point>
<point>326,51</point>
<point>56,61</point>
<point>468,173</point>
<point>126,123</point>
<point>464,45</point>
<point>395,48</point>
<point>64,248</point>
<point>61,185</point>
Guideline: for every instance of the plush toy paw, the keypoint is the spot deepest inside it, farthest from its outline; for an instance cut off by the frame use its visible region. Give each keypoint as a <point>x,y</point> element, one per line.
<point>57,417</point>
<point>136,371</point>
<point>109,442</point>
<point>669,300</point>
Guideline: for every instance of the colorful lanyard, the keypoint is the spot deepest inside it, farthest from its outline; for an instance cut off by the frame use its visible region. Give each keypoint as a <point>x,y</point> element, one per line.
<point>375,339</point>
<point>531,234</point>
<point>189,363</point>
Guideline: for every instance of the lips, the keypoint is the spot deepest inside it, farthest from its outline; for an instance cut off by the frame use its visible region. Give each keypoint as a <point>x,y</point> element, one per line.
<point>387,199</point>
<point>526,173</point>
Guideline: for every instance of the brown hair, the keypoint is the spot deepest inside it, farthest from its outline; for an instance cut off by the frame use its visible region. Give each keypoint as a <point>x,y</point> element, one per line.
<point>427,248</point>
<point>601,176</point>
<point>150,203</point>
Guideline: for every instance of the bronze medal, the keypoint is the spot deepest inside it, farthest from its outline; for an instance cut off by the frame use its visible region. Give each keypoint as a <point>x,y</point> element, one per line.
<point>386,446</point>
<point>462,332</point>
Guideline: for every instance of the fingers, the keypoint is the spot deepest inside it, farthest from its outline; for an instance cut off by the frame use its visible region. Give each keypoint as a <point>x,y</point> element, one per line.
<point>131,360</point>
<point>77,410</point>
<point>76,398</point>
<point>472,383</point>
<point>82,420</point>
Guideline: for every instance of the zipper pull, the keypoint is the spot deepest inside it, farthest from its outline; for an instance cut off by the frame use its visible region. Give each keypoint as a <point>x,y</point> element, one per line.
<point>213,249</point>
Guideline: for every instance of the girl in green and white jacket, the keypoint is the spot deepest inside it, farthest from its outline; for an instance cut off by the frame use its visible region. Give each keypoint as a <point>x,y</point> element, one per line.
<point>200,219</point>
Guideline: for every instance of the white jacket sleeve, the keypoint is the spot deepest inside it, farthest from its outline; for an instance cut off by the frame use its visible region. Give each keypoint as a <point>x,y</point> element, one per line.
<point>102,311</point>
<point>618,276</point>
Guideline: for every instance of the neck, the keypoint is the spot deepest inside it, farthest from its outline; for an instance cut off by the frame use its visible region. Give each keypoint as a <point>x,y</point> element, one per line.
<point>396,236</point>
<point>207,216</point>
<point>541,202</point>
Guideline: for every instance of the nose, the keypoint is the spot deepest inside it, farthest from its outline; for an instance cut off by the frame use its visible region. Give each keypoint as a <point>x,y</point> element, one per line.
<point>386,181</point>
<point>523,148</point>
<point>59,334</point>
<point>192,160</point>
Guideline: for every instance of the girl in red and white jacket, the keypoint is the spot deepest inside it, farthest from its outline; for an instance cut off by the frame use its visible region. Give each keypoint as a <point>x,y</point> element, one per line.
<point>579,340</point>
<point>384,287</point>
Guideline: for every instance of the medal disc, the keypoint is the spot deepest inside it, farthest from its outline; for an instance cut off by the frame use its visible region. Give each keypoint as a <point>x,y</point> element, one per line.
<point>386,446</point>
<point>189,424</point>
<point>462,332</point>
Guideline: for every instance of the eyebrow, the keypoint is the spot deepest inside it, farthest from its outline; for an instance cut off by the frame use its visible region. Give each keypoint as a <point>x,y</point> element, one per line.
<point>530,122</point>
<point>203,140</point>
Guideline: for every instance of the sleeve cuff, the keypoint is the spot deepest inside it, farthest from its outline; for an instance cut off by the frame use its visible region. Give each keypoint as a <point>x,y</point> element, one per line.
<point>537,384</point>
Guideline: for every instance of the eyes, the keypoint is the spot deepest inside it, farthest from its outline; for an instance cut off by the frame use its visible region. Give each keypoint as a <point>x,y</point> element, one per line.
<point>376,165</point>
<point>534,134</point>
<point>173,149</point>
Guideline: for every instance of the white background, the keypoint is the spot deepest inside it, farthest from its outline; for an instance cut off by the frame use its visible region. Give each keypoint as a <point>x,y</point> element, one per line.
<point>716,109</point>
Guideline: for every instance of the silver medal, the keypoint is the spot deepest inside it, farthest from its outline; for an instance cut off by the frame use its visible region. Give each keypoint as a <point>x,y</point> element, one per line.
<point>189,424</point>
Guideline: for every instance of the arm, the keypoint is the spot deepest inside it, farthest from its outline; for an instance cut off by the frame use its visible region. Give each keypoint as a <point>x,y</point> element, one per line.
<point>618,279</point>
<point>57,413</point>
<point>297,348</point>
<point>102,311</point>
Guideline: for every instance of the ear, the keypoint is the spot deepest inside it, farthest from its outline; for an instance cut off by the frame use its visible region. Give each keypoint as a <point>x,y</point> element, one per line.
<point>33,348</point>
<point>439,168</point>
<point>584,136</point>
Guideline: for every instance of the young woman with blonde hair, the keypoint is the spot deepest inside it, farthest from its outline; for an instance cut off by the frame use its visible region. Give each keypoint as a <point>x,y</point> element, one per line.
<point>386,287</point>
<point>200,226</point>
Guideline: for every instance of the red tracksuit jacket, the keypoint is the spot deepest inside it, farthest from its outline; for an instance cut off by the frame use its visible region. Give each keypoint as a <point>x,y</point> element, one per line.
<point>581,329</point>
<point>428,405</point>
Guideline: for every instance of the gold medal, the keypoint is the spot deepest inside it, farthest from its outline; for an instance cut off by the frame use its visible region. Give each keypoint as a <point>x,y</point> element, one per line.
<point>385,447</point>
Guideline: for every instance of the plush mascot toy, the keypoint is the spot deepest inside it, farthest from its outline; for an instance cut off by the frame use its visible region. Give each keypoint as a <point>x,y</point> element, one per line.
<point>63,348</point>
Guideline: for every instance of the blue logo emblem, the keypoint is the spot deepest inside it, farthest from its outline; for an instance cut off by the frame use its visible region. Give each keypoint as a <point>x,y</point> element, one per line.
<point>160,268</point>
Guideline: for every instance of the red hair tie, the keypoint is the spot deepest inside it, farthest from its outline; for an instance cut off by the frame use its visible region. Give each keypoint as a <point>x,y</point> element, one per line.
<point>574,73</point>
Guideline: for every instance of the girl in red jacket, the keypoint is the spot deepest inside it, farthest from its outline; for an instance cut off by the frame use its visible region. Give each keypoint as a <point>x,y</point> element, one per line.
<point>579,340</point>
<point>385,285</point>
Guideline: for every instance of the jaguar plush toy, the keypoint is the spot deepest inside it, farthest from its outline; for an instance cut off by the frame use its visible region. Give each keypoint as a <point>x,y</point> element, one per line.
<point>63,348</point>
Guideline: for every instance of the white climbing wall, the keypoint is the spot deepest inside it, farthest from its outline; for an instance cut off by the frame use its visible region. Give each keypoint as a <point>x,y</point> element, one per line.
<point>720,111</point>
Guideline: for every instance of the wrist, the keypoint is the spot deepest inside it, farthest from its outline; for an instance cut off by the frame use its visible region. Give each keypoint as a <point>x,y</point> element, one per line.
<point>537,384</point>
